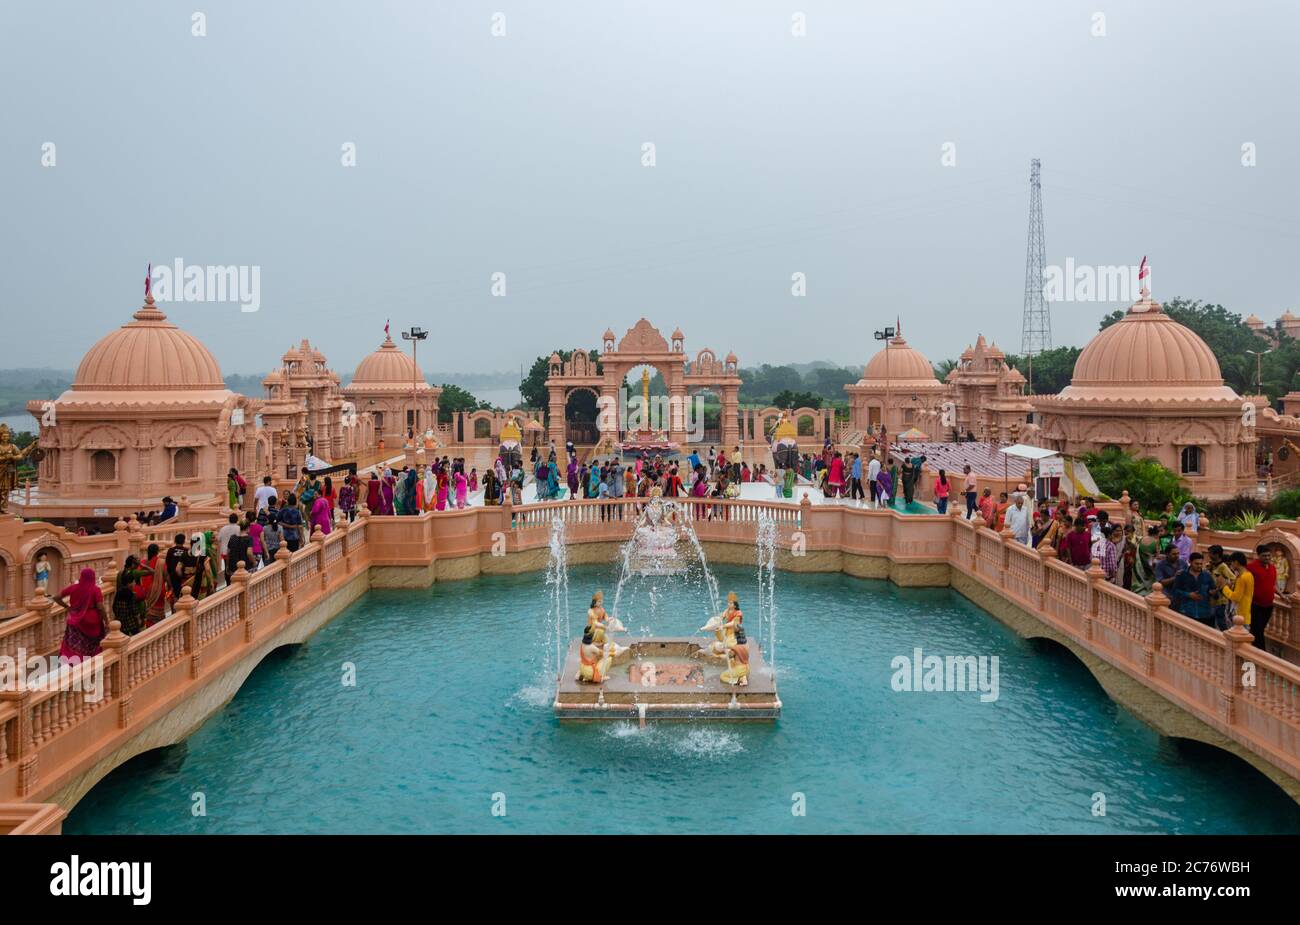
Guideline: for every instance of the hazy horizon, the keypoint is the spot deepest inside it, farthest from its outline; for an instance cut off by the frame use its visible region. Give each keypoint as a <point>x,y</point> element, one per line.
<point>522,154</point>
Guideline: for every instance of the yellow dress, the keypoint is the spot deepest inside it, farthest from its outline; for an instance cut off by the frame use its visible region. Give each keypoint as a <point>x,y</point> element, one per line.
<point>739,671</point>
<point>596,624</point>
<point>592,667</point>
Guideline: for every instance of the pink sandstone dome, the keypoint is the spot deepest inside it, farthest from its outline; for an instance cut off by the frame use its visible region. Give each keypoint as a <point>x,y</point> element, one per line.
<point>1147,355</point>
<point>904,363</point>
<point>388,366</point>
<point>148,353</point>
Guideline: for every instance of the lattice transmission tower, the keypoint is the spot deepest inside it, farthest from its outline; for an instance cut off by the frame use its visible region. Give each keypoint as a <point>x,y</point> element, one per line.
<point>1037,333</point>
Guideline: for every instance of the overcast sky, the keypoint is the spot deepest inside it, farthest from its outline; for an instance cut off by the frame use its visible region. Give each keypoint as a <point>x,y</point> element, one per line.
<point>522,154</point>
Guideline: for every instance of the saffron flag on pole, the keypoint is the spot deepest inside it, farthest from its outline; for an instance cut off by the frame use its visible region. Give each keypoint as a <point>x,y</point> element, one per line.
<point>1143,270</point>
<point>386,327</point>
<point>898,325</point>
<point>148,274</point>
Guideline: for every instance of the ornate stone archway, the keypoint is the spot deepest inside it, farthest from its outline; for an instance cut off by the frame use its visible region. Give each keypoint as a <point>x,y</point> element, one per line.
<point>643,345</point>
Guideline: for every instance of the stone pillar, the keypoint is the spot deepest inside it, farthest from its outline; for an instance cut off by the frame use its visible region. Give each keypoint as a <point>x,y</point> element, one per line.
<point>730,423</point>
<point>555,415</point>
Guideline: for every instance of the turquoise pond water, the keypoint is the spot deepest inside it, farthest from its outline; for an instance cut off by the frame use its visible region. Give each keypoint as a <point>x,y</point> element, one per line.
<point>451,706</point>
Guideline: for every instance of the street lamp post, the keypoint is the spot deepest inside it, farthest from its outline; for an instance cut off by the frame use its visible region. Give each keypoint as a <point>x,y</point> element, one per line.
<point>886,335</point>
<point>1259,355</point>
<point>415,335</point>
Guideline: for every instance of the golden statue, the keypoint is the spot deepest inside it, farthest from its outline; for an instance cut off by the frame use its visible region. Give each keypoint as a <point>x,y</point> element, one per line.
<point>10,457</point>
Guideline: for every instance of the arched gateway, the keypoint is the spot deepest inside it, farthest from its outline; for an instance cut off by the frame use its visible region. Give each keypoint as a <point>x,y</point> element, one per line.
<point>643,345</point>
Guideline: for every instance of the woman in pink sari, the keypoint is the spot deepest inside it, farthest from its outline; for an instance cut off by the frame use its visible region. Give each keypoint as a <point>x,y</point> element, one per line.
<point>320,514</point>
<point>87,620</point>
<point>700,490</point>
<point>462,487</point>
<point>386,492</point>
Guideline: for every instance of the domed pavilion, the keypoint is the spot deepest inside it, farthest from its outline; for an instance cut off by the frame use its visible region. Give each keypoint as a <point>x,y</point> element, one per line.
<point>897,384</point>
<point>1151,387</point>
<point>389,387</point>
<point>148,414</point>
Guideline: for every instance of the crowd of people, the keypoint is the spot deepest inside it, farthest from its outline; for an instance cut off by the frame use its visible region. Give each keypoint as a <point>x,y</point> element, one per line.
<point>1135,552</point>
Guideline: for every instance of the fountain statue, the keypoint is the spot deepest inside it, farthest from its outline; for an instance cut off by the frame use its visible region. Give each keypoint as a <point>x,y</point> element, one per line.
<point>511,449</point>
<point>720,674</point>
<point>653,547</point>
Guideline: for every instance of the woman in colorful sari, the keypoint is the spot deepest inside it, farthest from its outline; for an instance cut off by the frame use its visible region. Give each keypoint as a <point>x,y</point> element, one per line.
<point>462,490</point>
<point>884,487</point>
<point>499,467</point>
<point>491,489</point>
<point>374,498</point>
<point>700,490</point>
<point>552,483</point>
<point>387,490</point>
<point>154,584</point>
<point>204,580</point>
<point>348,498</point>
<point>473,479</point>
<point>593,482</point>
<point>87,619</point>
<point>128,606</point>
<point>232,490</point>
<point>320,515</point>
<point>571,474</point>
<point>787,489</point>
<point>444,484</point>
<point>428,489</point>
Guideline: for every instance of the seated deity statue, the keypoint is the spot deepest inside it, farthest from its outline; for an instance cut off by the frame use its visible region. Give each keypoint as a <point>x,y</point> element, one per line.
<point>737,660</point>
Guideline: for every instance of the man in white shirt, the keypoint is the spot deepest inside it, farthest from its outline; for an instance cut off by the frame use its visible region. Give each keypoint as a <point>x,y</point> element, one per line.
<point>873,470</point>
<point>265,492</point>
<point>223,538</point>
<point>1018,519</point>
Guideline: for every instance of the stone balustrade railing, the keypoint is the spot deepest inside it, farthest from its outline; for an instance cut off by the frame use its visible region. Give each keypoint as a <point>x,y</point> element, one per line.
<point>55,737</point>
<point>1250,695</point>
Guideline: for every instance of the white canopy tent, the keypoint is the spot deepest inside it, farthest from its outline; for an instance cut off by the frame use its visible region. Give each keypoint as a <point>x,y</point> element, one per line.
<point>1021,451</point>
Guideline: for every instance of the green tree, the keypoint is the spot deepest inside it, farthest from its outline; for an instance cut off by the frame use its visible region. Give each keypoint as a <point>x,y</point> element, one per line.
<point>1052,369</point>
<point>789,399</point>
<point>532,388</point>
<point>1145,479</point>
<point>454,399</point>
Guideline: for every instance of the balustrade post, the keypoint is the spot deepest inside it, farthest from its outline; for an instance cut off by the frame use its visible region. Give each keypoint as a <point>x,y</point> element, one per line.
<point>184,608</point>
<point>135,537</point>
<point>1045,555</point>
<point>122,540</point>
<point>1151,643</point>
<point>24,753</point>
<point>1096,575</point>
<point>118,676</point>
<point>240,581</point>
<point>41,604</point>
<point>1240,641</point>
<point>322,575</point>
<point>283,556</point>
<point>1006,538</point>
